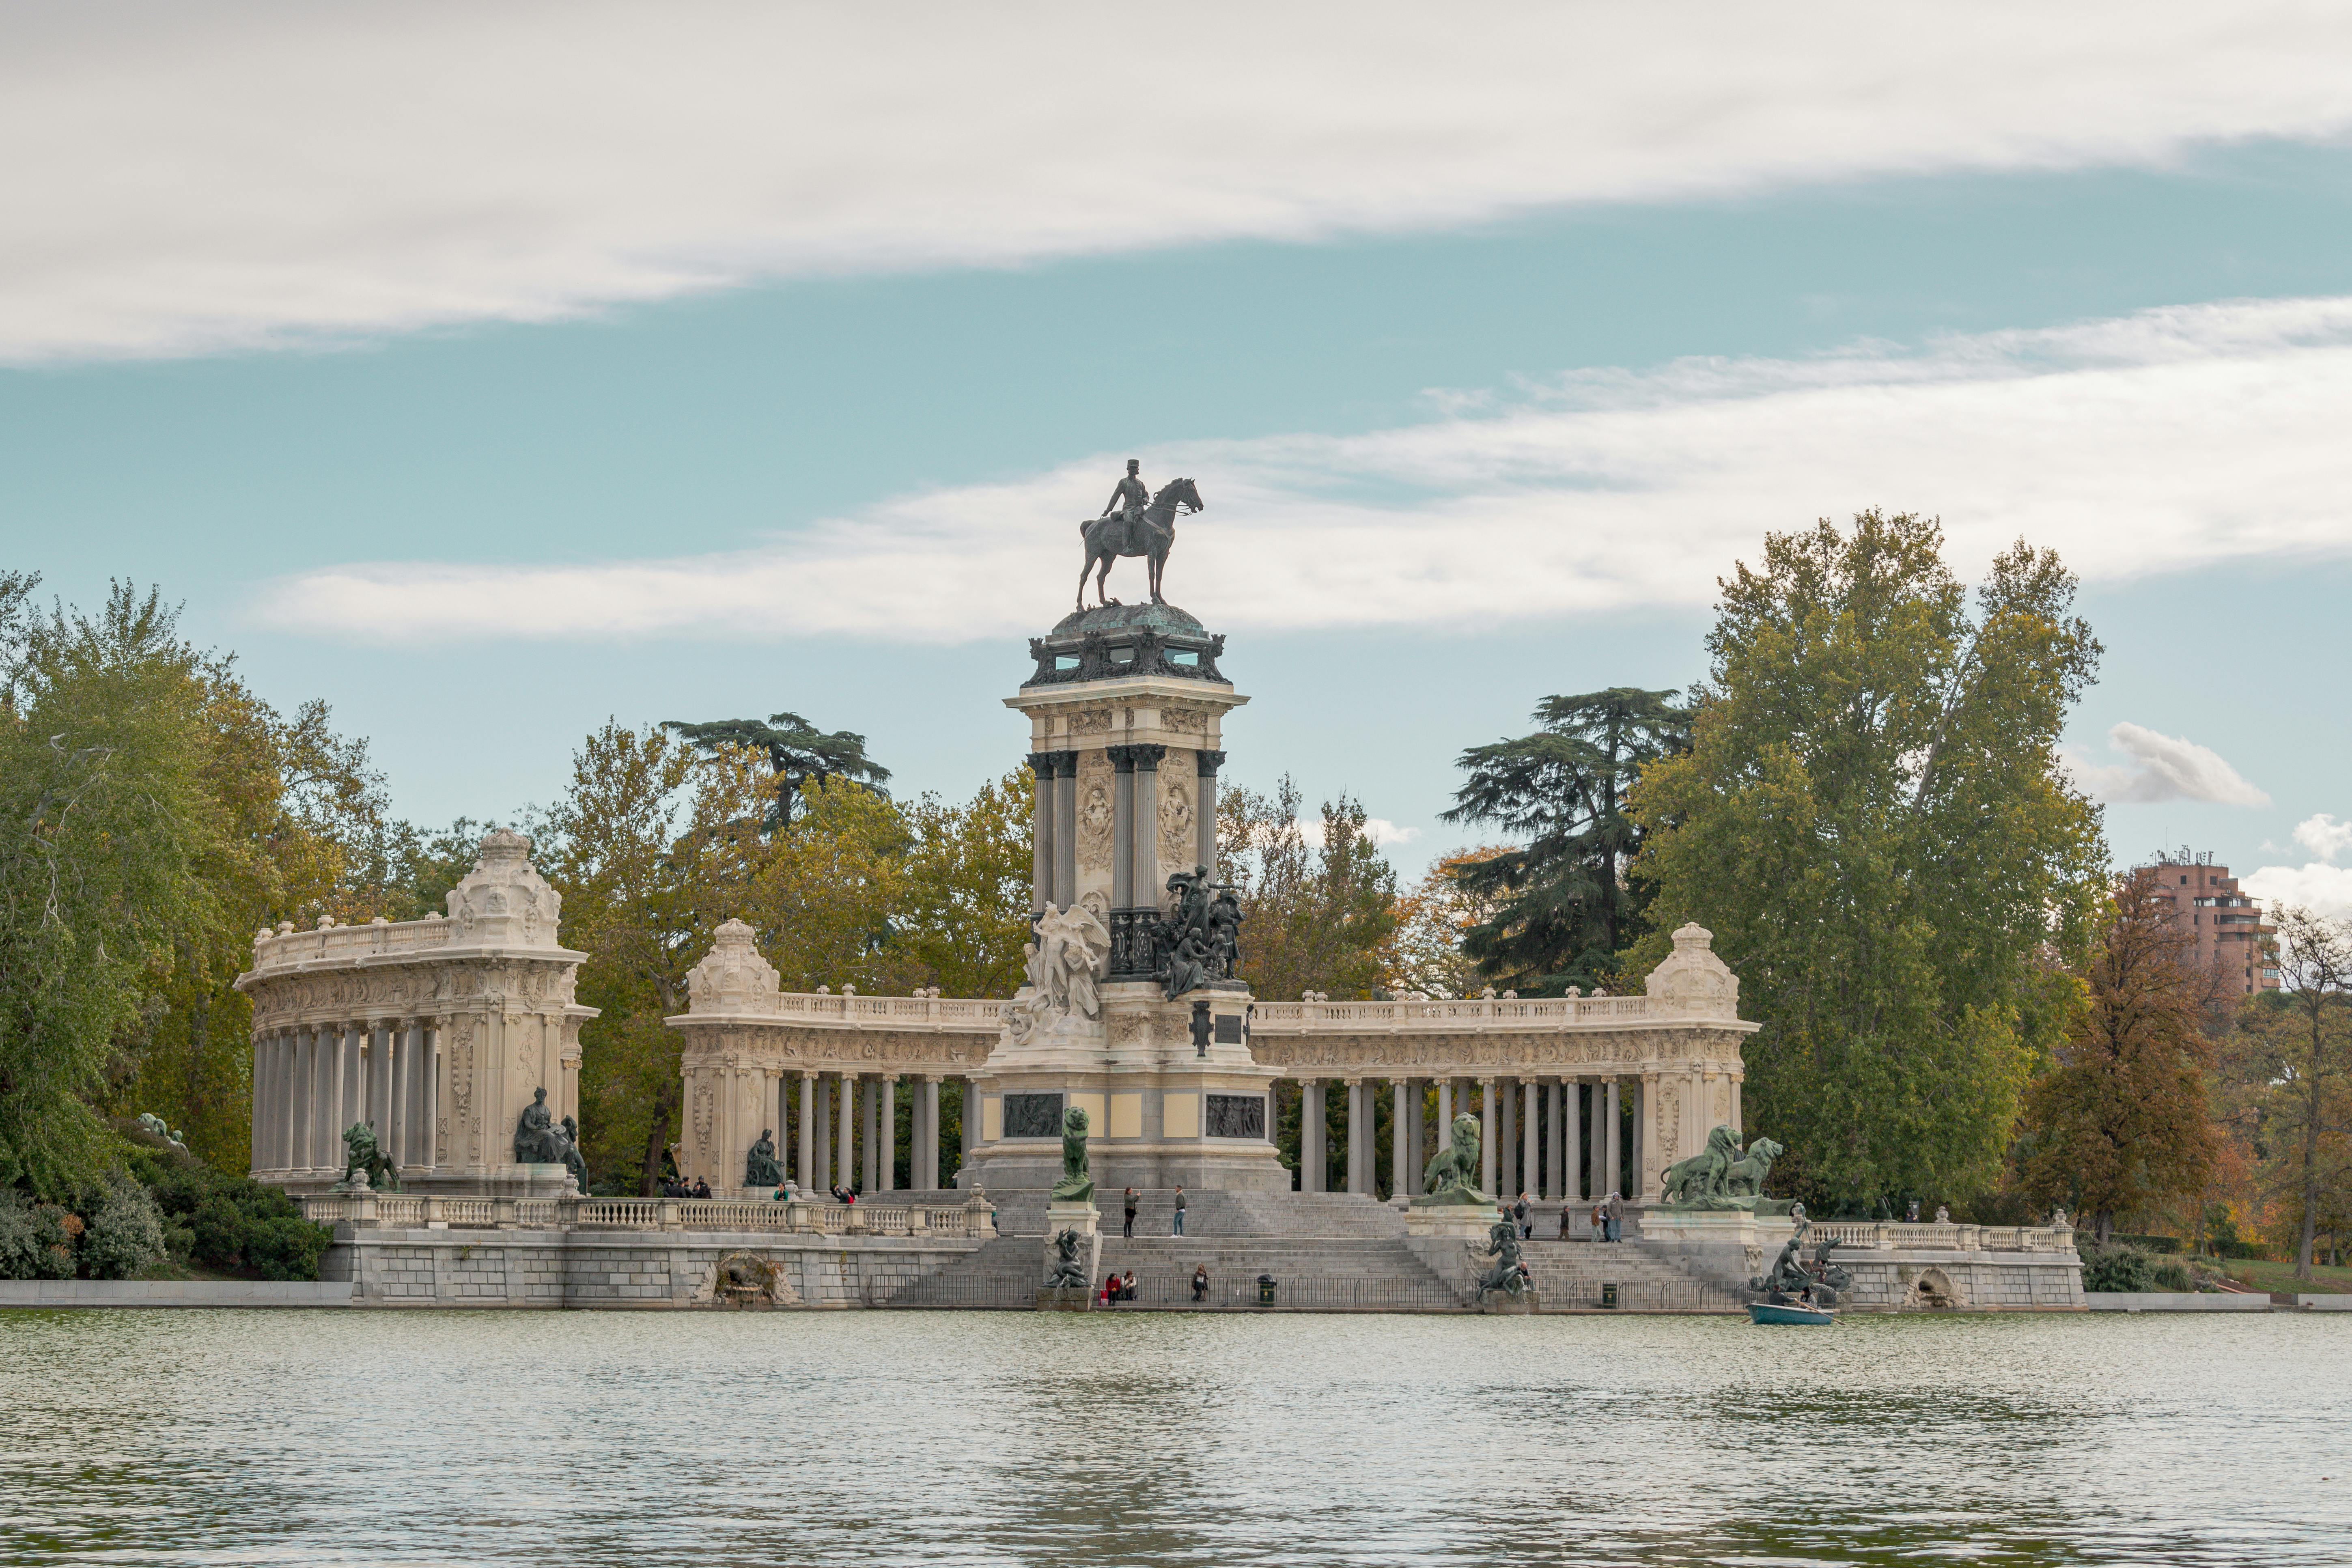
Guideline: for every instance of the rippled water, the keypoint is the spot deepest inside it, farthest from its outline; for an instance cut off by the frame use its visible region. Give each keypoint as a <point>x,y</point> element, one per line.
<point>594,1438</point>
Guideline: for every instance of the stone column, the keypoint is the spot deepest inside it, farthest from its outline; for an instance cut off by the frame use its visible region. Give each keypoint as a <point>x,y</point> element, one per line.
<point>931,1132</point>
<point>1041,831</point>
<point>1487,1129</point>
<point>1737,1125</point>
<point>886,1140</point>
<point>804,1148</point>
<point>301,1098</point>
<point>1205,800</point>
<point>393,1134</point>
<point>379,1106</point>
<point>1415,1163</point>
<point>1356,1140</point>
<point>352,1100</point>
<point>1571,1162</point>
<point>1531,1164</point>
<point>1445,1114</point>
<point>971,1119</point>
<point>427,1142</point>
<point>1638,1182</point>
<point>846,1156</point>
<point>1147,824</point>
<point>1597,1122</point>
<point>1311,1135</point>
<point>822,1142</point>
<point>1613,1165</point>
<point>1399,1145</point>
<point>1506,1138</point>
<point>1122,827</point>
<point>1066,828</point>
<point>259,1112</point>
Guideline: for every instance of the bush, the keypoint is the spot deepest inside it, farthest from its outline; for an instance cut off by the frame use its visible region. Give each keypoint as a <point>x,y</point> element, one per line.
<point>36,1242</point>
<point>233,1224</point>
<point>2171,1276</point>
<point>2108,1269</point>
<point>124,1233</point>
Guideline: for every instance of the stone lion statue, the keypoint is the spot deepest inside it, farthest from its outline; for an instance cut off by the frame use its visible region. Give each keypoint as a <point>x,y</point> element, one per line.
<point>1702,1176</point>
<point>364,1165</point>
<point>1078,1183</point>
<point>1745,1177</point>
<point>1452,1176</point>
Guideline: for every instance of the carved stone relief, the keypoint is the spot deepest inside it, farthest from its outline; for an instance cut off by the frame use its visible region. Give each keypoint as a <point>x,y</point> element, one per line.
<point>1095,812</point>
<point>1175,821</point>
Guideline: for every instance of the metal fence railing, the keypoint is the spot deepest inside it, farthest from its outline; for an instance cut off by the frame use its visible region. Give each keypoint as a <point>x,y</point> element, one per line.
<point>1307,1293</point>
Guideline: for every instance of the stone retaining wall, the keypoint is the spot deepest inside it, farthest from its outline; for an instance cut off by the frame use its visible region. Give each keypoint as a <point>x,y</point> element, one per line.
<point>620,1270</point>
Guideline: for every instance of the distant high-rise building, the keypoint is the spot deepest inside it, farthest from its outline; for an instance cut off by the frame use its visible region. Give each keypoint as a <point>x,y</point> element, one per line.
<point>2231,935</point>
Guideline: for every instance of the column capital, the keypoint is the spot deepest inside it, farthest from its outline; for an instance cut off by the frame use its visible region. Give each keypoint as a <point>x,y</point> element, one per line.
<point>1122,758</point>
<point>1206,762</point>
<point>808,1075</point>
<point>1065,763</point>
<point>1042,763</point>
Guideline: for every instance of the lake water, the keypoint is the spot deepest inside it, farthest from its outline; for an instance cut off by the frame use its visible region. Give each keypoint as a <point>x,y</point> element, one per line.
<point>614,1438</point>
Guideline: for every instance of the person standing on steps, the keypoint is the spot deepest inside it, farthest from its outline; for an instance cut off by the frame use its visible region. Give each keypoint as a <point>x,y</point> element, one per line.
<point>1131,1214</point>
<point>1180,1210</point>
<point>1519,1214</point>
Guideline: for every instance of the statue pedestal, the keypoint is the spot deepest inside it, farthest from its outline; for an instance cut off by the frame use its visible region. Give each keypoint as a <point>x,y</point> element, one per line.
<point>1464,1222</point>
<point>1724,1246</point>
<point>1502,1302</point>
<point>1052,1301</point>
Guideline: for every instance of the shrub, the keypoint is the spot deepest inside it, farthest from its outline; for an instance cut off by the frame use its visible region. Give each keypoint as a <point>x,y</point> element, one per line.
<point>35,1240</point>
<point>2171,1276</point>
<point>124,1233</point>
<point>234,1224</point>
<point>2106,1269</point>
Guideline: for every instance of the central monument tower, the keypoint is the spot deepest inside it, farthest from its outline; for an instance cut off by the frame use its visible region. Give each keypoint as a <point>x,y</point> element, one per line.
<point>1130,1012</point>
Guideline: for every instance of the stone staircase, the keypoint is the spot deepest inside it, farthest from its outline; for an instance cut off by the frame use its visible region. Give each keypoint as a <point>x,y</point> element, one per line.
<point>1326,1251</point>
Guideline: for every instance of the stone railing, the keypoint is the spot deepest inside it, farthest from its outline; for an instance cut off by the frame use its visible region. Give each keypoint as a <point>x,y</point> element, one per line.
<point>334,946</point>
<point>974,1218</point>
<point>1483,1012</point>
<point>888,1012</point>
<point>1882,1237</point>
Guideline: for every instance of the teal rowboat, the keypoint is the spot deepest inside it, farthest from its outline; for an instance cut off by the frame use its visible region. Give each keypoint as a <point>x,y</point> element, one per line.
<point>1766,1312</point>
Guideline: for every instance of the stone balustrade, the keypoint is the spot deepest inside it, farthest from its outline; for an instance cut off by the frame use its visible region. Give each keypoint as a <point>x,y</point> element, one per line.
<point>971,1219</point>
<point>1898,1237</point>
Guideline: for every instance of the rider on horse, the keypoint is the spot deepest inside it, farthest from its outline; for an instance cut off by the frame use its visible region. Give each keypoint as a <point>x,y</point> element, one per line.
<point>1129,500</point>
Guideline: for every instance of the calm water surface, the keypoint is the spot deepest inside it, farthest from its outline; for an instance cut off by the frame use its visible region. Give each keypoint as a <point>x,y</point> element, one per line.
<point>594,1438</point>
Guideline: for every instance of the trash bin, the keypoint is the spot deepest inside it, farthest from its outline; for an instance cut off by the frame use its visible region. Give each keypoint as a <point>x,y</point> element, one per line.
<point>1265,1290</point>
<point>1609,1293</point>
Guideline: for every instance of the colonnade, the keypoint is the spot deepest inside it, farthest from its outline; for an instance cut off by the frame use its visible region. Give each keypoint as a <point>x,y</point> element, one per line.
<point>312,1081</point>
<point>843,1132</point>
<point>1566,1138</point>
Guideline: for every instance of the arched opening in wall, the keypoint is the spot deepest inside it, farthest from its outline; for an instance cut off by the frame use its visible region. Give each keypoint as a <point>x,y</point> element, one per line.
<point>1932,1292</point>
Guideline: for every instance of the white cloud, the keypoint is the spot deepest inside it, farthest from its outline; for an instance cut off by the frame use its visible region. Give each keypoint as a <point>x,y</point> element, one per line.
<point>185,178</point>
<point>2158,442</point>
<point>2324,837</point>
<point>2325,890</point>
<point>2165,767</point>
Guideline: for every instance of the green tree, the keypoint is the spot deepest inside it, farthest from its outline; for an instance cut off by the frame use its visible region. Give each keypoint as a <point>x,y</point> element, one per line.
<point>2121,1121</point>
<point>1563,911</point>
<point>109,844</point>
<point>964,907</point>
<point>2296,1049</point>
<point>1320,905</point>
<point>1873,821</point>
<point>798,753</point>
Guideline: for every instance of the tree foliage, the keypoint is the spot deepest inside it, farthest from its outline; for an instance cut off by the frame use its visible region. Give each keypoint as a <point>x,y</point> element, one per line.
<point>2121,1122</point>
<point>1320,899</point>
<point>1873,821</point>
<point>2295,1052</point>
<point>1562,911</point>
<point>798,755</point>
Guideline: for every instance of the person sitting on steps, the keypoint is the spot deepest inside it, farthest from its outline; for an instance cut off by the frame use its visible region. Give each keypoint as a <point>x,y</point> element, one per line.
<point>1201,1283</point>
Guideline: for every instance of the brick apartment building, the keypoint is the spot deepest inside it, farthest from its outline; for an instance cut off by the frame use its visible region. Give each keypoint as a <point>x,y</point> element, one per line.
<point>2228,925</point>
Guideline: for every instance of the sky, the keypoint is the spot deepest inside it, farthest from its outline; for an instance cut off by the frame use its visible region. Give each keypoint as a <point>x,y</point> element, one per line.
<point>489,372</point>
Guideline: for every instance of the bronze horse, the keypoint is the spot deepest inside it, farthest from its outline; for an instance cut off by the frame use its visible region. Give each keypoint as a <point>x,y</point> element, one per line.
<point>1109,537</point>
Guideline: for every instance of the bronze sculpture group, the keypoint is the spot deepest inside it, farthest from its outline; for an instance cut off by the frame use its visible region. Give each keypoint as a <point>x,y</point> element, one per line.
<point>1722,1176</point>
<point>1201,939</point>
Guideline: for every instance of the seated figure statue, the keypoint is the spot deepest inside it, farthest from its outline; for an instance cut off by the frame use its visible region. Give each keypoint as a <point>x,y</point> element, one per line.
<point>761,1168</point>
<point>536,1141</point>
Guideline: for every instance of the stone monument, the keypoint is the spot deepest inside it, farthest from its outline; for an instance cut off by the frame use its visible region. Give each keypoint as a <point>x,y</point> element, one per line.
<point>1132,931</point>
<point>1451,1203</point>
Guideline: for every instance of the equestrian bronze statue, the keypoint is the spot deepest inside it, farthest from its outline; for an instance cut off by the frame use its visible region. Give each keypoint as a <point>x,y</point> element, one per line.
<point>1136,522</point>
